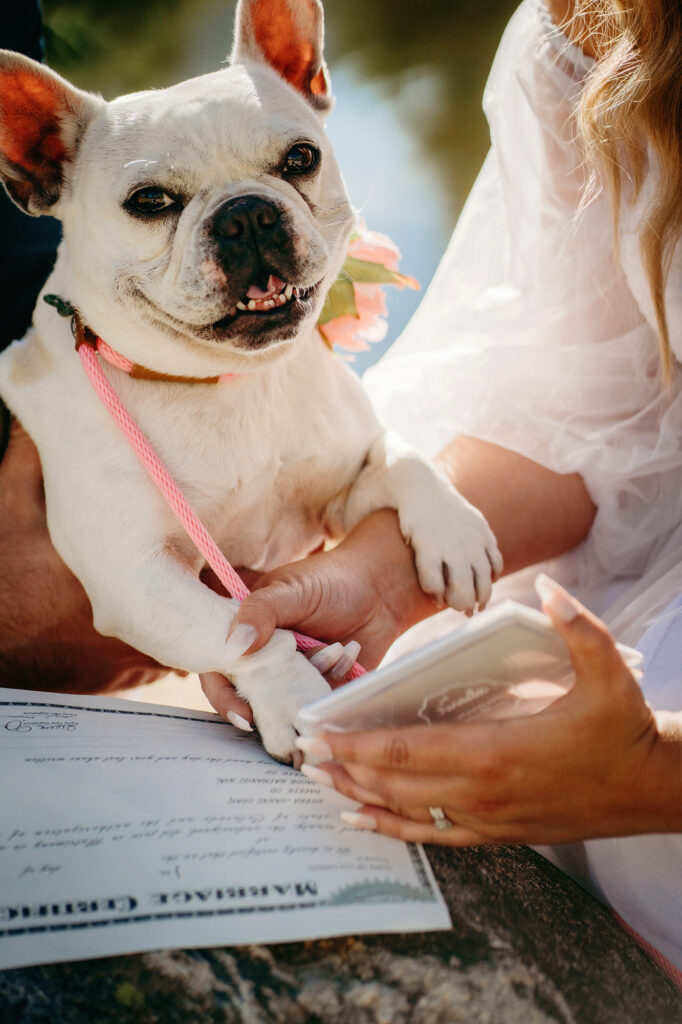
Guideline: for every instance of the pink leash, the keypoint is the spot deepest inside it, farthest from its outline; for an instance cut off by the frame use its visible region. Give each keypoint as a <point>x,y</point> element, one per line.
<point>674,974</point>
<point>162,478</point>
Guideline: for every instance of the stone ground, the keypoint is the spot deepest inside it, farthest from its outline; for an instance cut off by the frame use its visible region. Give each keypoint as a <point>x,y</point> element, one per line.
<point>527,946</point>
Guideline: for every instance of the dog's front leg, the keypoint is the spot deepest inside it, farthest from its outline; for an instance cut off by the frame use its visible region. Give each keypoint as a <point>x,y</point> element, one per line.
<point>172,616</point>
<point>455,551</point>
<point>187,629</point>
<point>144,588</point>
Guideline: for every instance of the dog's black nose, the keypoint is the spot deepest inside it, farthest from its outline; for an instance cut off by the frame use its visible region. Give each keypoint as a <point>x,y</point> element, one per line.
<point>244,215</point>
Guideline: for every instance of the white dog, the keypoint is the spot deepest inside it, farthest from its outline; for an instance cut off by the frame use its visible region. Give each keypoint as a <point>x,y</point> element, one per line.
<point>202,227</point>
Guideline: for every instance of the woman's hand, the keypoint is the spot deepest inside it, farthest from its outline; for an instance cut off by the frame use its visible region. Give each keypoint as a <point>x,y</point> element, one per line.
<point>595,763</point>
<point>365,591</point>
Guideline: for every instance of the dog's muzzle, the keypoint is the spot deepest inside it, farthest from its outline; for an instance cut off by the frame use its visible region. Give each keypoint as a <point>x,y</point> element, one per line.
<point>251,241</point>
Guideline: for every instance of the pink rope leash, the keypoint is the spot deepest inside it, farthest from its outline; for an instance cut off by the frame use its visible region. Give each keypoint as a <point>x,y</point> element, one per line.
<point>165,482</point>
<point>674,974</point>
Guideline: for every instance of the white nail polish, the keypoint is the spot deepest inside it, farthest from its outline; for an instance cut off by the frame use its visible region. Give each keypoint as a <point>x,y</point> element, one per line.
<point>343,665</point>
<point>239,641</point>
<point>364,821</point>
<point>346,661</point>
<point>556,598</point>
<point>317,775</point>
<point>328,656</point>
<point>239,721</point>
<point>353,649</point>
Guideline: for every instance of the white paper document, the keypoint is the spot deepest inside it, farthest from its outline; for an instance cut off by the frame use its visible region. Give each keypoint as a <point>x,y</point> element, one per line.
<point>127,827</point>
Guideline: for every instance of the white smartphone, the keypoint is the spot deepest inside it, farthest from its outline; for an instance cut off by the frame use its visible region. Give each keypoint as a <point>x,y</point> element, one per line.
<point>506,662</point>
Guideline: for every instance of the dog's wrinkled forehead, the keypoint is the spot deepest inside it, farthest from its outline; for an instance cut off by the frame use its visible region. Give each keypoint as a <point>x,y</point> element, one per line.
<point>224,127</point>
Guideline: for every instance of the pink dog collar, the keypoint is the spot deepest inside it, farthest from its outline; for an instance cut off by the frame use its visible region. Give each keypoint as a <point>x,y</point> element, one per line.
<point>84,336</point>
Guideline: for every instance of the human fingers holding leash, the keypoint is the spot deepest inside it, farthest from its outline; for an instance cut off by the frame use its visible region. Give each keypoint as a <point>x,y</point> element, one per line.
<point>361,595</point>
<point>596,763</point>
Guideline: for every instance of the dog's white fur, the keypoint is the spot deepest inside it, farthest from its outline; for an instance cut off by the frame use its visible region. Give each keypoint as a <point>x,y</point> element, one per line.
<point>274,461</point>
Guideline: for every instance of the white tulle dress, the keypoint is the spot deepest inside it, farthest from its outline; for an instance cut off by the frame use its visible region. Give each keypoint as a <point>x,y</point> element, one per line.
<point>535,336</point>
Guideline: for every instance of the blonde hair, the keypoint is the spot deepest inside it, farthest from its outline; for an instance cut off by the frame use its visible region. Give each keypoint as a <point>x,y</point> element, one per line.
<point>633,99</point>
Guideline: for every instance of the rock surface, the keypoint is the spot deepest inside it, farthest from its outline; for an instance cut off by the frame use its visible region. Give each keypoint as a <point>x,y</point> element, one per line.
<point>527,947</point>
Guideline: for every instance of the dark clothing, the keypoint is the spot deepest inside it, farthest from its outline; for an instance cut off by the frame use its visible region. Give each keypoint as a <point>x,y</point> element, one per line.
<point>27,244</point>
<point>22,27</point>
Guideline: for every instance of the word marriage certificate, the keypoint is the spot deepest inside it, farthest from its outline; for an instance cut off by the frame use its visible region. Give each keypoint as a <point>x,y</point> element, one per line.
<point>128,827</point>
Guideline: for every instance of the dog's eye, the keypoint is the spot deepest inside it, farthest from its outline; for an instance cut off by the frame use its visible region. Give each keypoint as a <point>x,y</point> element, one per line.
<point>150,199</point>
<point>301,159</point>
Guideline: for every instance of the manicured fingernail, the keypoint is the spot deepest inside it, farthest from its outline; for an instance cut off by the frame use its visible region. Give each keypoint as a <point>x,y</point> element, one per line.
<point>359,820</point>
<point>556,598</point>
<point>239,641</point>
<point>239,721</point>
<point>315,748</point>
<point>346,661</point>
<point>328,656</point>
<point>317,775</point>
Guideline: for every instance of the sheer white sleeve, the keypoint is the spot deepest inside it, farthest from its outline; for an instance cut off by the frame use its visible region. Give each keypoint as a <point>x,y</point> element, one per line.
<point>530,335</point>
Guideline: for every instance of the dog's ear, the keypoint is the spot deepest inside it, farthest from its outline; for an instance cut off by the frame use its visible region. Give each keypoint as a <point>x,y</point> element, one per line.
<point>289,36</point>
<point>42,119</point>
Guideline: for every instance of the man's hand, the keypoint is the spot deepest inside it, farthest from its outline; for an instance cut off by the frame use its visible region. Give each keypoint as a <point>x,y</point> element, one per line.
<point>47,639</point>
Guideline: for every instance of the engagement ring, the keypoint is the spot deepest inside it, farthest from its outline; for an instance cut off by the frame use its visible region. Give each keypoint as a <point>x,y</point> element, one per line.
<point>440,819</point>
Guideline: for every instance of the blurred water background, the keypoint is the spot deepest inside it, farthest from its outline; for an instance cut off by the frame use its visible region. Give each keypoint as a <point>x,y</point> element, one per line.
<point>408,78</point>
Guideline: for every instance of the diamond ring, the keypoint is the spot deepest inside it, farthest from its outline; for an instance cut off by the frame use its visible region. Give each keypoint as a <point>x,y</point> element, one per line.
<point>440,819</point>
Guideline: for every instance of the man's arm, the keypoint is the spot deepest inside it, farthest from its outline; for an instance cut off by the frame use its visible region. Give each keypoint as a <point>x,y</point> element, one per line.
<point>47,640</point>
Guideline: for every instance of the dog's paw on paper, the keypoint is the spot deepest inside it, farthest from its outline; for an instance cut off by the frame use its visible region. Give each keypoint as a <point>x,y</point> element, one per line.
<point>276,695</point>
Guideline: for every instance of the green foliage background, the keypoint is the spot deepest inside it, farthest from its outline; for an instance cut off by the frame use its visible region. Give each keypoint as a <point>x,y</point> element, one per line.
<point>134,44</point>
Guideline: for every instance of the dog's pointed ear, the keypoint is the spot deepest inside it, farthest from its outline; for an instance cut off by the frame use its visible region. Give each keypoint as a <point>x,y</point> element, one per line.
<point>42,119</point>
<point>289,36</point>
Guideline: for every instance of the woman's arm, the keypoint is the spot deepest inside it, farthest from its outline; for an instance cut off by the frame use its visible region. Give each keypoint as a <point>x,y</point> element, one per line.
<point>535,513</point>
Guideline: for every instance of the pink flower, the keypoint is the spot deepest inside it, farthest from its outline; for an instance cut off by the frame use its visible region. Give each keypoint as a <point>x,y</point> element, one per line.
<point>356,333</point>
<point>375,248</point>
<point>354,317</point>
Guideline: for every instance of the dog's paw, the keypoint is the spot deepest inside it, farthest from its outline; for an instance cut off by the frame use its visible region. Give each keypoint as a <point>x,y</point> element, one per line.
<point>276,691</point>
<point>456,553</point>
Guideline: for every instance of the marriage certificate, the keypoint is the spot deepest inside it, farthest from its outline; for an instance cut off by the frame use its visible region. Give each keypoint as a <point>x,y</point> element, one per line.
<point>127,827</point>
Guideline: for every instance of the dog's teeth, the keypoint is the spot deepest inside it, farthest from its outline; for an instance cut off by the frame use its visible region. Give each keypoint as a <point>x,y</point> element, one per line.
<point>259,305</point>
